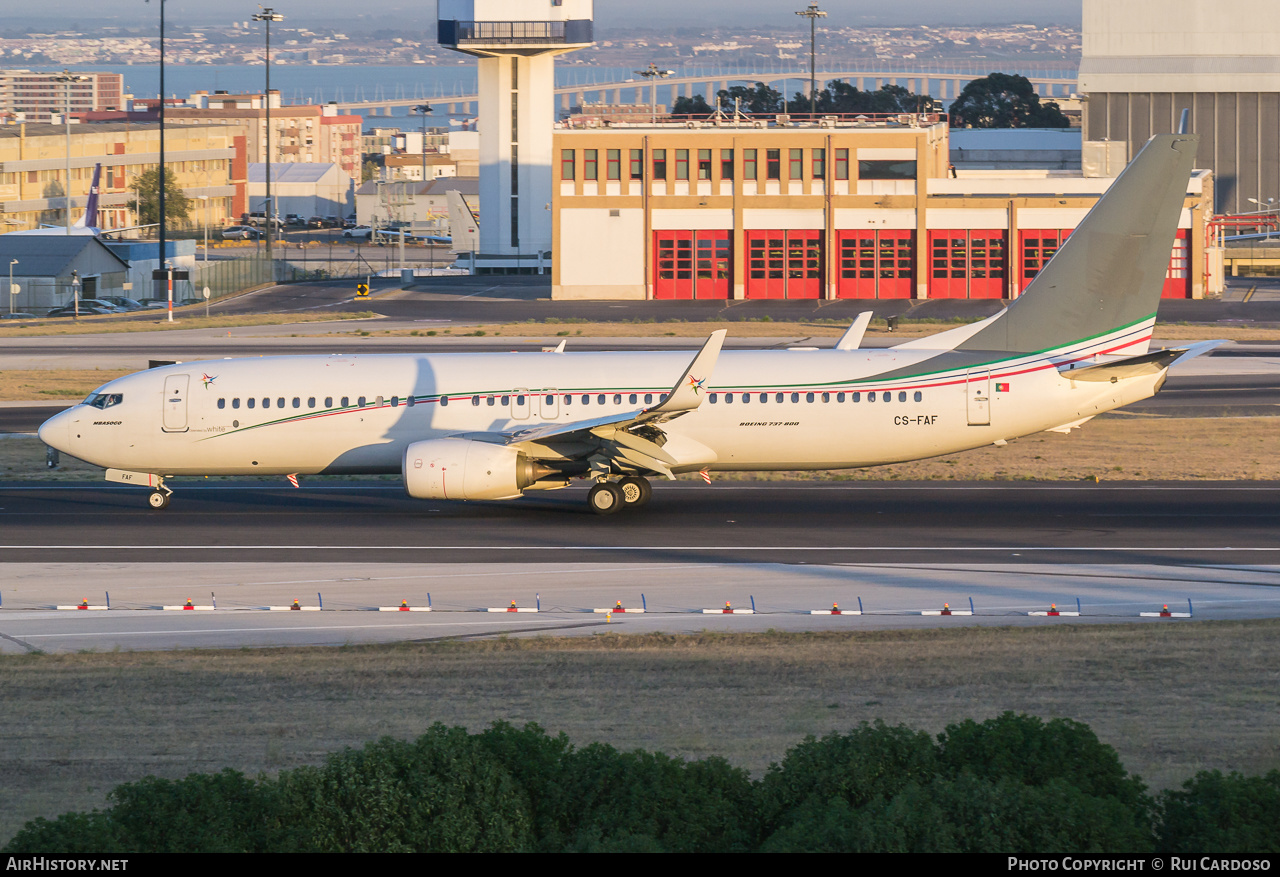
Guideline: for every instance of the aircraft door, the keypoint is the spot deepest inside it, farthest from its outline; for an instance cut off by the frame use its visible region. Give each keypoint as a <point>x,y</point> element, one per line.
<point>550,400</point>
<point>520,404</point>
<point>175,403</point>
<point>978,391</point>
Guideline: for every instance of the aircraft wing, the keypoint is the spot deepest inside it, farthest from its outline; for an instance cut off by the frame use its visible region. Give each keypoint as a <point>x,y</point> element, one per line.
<point>629,440</point>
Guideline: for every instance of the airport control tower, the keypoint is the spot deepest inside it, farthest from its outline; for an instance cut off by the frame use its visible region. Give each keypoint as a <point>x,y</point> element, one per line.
<point>516,42</point>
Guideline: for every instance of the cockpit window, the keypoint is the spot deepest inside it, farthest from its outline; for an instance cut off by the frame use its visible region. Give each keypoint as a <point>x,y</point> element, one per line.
<point>104,400</point>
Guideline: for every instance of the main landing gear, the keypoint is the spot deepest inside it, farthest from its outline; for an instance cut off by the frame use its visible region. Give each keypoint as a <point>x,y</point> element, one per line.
<point>609,497</point>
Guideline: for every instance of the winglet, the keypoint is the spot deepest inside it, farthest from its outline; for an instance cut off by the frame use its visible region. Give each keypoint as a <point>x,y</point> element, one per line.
<point>688,392</point>
<point>852,338</point>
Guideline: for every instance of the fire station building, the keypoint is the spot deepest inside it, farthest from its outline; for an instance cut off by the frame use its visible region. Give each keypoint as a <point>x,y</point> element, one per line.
<point>855,207</point>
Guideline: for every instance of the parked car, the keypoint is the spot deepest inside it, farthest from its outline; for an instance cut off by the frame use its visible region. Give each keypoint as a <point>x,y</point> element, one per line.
<point>315,222</point>
<point>363,232</point>
<point>18,316</point>
<point>332,221</point>
<point>120,301</point>
<point>108,306</point>
<point>85,311</point>
<point>295,220</point>
<point>350,221</point>
<point>260,219</point>
<point>155,303</point>
<point>241,233</point>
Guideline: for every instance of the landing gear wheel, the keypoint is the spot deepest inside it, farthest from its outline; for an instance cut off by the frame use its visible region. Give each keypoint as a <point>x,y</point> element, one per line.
<point>635,491</point>
<point>606,498</point>
<point>158,500</point>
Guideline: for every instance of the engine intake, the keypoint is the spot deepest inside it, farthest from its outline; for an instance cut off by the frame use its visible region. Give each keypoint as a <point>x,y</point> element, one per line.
<point>467,469</point>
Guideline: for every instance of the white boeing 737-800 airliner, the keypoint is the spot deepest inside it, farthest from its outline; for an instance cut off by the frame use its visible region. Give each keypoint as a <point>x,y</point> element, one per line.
<point>494,425</point>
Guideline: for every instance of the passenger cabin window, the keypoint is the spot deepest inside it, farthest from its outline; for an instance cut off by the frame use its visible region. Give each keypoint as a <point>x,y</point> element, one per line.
<point>444,400</point>
<point>279,402</point>
<point>361,401</point>
<point>311,402</point>
<point>297,402</point>
<point>346,401</point>
<point>235,403</point>
<point>252,401</point>
<point>222,403</point>
<point>919,396</point>
<point>328,401</point>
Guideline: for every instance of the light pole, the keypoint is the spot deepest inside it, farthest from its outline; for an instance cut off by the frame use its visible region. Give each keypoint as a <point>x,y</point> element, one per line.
<point>66,79</point>
<point>160,256</point>
<point>268,15</point>
<point>813,13</point>
<point>205,199</point>
<point>13,290</point>
<point>651,74</point>
<point>423,110</point>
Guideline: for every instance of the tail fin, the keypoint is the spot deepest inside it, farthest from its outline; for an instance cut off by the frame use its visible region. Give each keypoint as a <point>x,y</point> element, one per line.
<point>464,228</point>
<point>90,218</point>
<point>1111,270</point>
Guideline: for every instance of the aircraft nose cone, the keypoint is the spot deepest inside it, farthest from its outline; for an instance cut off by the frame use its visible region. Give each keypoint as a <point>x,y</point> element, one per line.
<point>56,431</point>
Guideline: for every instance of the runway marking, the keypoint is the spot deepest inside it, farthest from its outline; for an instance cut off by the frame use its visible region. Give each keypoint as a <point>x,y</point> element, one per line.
<point>335,628</point>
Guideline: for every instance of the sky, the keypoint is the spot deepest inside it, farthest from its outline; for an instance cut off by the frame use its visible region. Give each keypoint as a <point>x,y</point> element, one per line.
<point>649,13</point>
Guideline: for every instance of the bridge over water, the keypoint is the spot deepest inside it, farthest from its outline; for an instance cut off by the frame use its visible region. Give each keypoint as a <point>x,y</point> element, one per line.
<point>943,86</point>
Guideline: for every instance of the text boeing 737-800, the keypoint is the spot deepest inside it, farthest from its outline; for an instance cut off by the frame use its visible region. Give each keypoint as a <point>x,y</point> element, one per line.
<point>492,426</point>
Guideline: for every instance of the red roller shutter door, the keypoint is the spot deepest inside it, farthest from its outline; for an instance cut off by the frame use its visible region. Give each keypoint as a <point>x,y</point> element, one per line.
<point>1038,247</point>
<point>692,264</point>
<point>967,263</point>
<point>876,263</point>
<point>784,264</point>
<point>1177,280</point>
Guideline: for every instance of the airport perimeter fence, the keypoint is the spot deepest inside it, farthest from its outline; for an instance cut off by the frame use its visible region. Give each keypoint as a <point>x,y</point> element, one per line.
<point>228,276</point>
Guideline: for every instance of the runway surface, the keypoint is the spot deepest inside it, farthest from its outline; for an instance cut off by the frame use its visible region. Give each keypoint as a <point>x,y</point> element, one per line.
<point>726,522</point>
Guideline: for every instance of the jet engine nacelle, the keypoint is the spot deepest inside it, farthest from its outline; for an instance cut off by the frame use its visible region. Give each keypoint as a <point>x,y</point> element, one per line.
<point>466,469</point>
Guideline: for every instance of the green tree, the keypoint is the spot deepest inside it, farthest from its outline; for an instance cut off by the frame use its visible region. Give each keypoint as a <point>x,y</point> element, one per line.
<point>443,792</point>
<point>840,97</point>
<point>1217,814</point>
<point>1004,100</point>
<point>760,99</point>
<point>369,170</point>
<point>146,198</point>
<point>691,106</point>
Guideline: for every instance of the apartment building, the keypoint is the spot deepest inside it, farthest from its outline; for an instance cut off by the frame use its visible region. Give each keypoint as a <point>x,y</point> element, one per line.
<point>26,95</point>
<point>208,161</point>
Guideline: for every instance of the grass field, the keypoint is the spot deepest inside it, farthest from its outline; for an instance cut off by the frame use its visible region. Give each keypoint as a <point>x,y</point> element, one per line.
<point>1172,698</point>
<point>187,318</point>
<point>1111,448</point>
<point>554,328</point>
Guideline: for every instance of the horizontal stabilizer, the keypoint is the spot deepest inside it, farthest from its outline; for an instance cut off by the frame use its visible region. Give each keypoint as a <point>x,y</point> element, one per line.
<point>1135,366</point>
